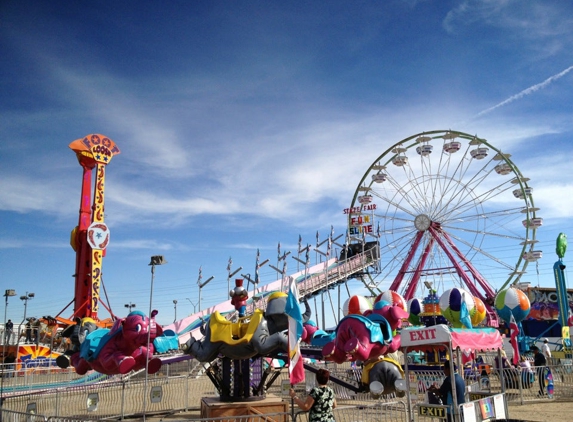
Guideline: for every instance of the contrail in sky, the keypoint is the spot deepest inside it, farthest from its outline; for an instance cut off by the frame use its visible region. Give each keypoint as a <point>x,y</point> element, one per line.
<point>527,91</point>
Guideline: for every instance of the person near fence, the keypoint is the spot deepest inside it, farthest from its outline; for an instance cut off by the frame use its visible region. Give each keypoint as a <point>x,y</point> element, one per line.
<point>527,373</point>
<point>8,330</point>
<point>510,373</point>
<point>28,330</point>
<point>546,350</point>
<point>445,391</point>
<point>505,363</point>
<point>539,362</point>
<point>321,400</point>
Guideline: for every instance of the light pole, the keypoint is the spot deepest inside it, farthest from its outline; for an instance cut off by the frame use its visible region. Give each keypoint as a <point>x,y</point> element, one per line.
<point>201,285</point>
<point>7,294</point>
<point>130,306</point>
<point>25,298</point>
<point>155,260</point>
<point>192,304</point>
<point>175,307</point>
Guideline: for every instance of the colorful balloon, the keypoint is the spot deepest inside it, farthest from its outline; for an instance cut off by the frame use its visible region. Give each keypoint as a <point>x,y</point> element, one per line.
<point>392,297</point>
<point>451,305</point>
<point>479,312</point>
<point>415,308</point>
<point>356,305</point>
<point>512,301</point>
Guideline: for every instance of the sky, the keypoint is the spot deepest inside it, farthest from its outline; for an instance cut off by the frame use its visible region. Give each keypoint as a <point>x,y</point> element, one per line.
<point>245,124</point>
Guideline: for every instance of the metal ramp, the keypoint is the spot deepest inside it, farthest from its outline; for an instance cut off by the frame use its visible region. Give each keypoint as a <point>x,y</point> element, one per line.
<point>337,273</point>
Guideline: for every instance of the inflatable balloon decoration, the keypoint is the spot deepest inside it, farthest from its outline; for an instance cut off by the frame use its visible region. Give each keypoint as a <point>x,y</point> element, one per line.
<point>393,298</point>
<point>512,305</point>
<point>456,306</point>
<point>119,350</point>
<point>415,308</point>
<point>479,312</point>
<point>356,305</point>
<point>512,302</point>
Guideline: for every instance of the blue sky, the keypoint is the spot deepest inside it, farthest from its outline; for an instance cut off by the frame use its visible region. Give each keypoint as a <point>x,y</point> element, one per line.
<point>244,124</point>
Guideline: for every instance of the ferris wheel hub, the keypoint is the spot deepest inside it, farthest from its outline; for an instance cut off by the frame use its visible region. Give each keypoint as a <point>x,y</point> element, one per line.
<point>422,222</point>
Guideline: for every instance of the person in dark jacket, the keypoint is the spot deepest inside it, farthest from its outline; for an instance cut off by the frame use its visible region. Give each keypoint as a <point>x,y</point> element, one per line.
<point>540,363</point>
<point>28,330</point>
<point>445,391</point>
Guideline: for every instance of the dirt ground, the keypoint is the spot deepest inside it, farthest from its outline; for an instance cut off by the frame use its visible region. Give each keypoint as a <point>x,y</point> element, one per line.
<point>543,411</point>
<point>552,411</point>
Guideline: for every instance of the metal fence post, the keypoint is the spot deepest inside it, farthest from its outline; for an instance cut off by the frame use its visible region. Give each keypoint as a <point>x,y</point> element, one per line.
<point>122,413</point>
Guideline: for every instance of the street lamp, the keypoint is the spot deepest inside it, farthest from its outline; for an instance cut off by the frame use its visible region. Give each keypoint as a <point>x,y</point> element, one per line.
<point>7,294</point>
<point>175,307</point>
<point>130,306</point>
<point>155,260</point>
<point>25,298</point>
<point>192,304</point>
<point>201,285</point>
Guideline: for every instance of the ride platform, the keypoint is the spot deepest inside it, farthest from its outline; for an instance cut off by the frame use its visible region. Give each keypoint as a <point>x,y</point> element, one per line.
<point>213,407</point>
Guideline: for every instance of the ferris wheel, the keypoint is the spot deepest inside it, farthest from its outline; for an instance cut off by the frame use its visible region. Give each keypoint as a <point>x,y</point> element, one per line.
<point>448,209</point>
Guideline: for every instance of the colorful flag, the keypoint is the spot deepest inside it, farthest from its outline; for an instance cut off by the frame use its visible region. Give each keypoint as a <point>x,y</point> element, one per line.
<point>464,313</point>
<point>229,264</point>
<point>295,368</point>
<point>513,332</point>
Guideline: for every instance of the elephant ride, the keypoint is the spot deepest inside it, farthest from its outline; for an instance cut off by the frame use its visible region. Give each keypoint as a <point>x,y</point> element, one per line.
<point>238,344</point>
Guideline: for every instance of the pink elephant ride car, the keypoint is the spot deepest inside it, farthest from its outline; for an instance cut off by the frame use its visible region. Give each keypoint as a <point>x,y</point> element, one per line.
<point>122,348</point>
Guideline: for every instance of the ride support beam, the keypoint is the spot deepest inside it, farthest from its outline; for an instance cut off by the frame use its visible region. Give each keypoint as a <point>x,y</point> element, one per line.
<point>489,292</point>
<point>79,239</point>
<point>413,284</point>
<point>470,285</point>
<point>400,276</point>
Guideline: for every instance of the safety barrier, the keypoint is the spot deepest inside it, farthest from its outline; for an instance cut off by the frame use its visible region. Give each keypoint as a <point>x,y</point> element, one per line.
<point>174,389</point>
<point>387,412</point>
<point>12,416</point>
<point>253,417</point>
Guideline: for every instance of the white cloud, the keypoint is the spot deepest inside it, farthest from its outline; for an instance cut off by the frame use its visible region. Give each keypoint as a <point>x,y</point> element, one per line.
<point>527,91</point>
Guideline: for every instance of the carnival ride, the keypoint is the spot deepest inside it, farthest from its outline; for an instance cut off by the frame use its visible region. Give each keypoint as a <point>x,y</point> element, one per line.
<point>448,205</point>
<point>432,219</point>
<point>90,237</point>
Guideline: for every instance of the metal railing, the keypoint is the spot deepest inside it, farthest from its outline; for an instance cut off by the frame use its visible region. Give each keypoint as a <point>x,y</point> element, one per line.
<point>176,388</point>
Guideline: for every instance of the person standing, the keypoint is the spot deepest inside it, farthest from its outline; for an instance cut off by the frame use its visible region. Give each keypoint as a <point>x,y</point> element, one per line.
<point>28,332</point>
<point>546,350</point>
<point>527,373</point>
<point>8,331</point>
<point>445,391</point>
<point>320,401</point>
<point>539,362</point>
